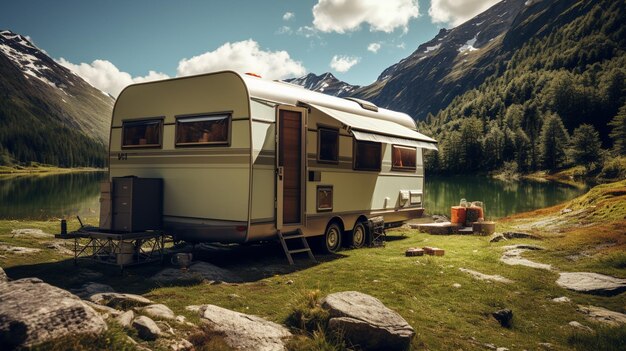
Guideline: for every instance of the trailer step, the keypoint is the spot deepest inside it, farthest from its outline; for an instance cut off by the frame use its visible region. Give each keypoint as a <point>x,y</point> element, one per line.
<point>305,244</point>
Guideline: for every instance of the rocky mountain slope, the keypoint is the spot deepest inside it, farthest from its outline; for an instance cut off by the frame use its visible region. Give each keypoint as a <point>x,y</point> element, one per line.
<point>324,83</point>
<point>47,113</point>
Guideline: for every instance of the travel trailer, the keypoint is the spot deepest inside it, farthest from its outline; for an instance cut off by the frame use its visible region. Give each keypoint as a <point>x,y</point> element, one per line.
<point>240,159</point>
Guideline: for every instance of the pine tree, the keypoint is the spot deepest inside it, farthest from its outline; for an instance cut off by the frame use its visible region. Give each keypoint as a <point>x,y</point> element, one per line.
<point>618,133</point>
<point>553,142</point>
<point>586,146</point>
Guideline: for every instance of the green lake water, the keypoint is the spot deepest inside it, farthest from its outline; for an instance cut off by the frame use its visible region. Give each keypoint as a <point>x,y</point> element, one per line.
<point>500,198</point>
<point>68,195</point>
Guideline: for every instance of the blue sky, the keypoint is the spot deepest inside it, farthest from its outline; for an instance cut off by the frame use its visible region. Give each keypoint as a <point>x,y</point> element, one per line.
<point>113,43</point>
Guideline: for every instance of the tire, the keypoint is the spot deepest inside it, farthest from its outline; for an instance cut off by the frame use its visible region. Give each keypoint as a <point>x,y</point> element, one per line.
<point>332,238</point>
<point>359,235</point>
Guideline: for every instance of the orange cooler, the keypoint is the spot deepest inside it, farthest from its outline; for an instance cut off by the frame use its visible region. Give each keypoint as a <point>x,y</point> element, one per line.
<point>458,214</point>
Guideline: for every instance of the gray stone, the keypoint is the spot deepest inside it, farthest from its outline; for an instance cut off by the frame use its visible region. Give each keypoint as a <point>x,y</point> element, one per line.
<point>157,311</point>
<point>181,345</point>
<point>120,301</point>
<point>603,315</point>
<point>197,271</point>
<point>30,233</point>
<point>502,349</point>
<point>592,283</point>
<point>244,331</point>
<point>59,247</point>
<point>33,312</point>
<point>146,328</point>
<point>577,325</point>
<point>495,237</point>
<point>91,288</point>
<point>519,235</point>
<point>545,345</point>
<point>482,276</point>
<point>3,276</point>
<point>504,317</point>
<point>365,321</point>
<point>456,285</point>
<point>513,257</point>
<point>523,247</point>
<point>562,299</point>
<point>126,319</point>
<point>18,250</point>
<point>102,309</point>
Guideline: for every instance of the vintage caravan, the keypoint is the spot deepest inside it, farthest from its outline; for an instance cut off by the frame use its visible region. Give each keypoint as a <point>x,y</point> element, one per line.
<point>241,158</point>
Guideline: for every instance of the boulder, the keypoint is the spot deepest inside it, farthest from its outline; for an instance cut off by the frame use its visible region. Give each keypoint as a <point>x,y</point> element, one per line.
<point>120,301</point>
<point>482,276</point>
<point>91,288</point>
<point>577,325</point>
<point>599,314</point>
<point>365,321</point>
<point>157,311</point>
<point>146,328</point>
<point>562,299</point>
<point>495,237</point>
<point>18,250</point>
<point>197,271</point>
<point>102,309</point>
<point>33,312</point>
<point>504,317</point>
<point>244,331</point>
<point>3,276</point>
<point>513,257</point>
<point>592,283</point>
<point>126,319</point>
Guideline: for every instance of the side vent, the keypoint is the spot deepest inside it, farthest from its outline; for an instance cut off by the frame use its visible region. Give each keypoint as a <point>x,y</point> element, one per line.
<point>366,105</point>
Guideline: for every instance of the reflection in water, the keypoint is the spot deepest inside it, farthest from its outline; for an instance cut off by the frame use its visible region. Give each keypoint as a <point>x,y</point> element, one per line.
<point>50,196</point>
<point>501,198</point>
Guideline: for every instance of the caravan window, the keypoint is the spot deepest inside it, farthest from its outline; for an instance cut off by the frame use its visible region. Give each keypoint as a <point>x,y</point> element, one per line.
<point>327,145</point>
<point>403,158</point>
<point>367,155</point>
<point>203,130</point>
<point>146,133</point>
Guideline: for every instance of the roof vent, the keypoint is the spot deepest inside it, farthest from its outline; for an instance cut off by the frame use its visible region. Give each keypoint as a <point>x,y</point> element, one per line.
<point>366,105</point>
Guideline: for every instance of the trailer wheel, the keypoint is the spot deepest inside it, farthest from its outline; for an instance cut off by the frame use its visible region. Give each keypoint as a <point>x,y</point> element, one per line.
<point>359,235</point>
<point>332,238</point>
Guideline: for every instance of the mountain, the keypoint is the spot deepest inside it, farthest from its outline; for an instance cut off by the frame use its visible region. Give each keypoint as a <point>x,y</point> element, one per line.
<point>325,83</point>
<point>47,113</point>
<point>454,61</point>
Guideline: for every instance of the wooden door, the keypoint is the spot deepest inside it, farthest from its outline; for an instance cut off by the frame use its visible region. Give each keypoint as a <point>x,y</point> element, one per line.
<point>290,124</point>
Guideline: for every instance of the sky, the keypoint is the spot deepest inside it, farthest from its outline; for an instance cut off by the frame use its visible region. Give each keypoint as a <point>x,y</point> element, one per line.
<point>118,42</point>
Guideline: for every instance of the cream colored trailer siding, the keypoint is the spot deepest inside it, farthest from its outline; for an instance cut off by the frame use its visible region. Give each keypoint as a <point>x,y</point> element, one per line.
<point>263,163</point>
<point>202,182</point>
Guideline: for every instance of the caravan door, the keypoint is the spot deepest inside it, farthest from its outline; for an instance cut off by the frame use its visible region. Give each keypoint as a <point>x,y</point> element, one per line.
<point>290,165</point>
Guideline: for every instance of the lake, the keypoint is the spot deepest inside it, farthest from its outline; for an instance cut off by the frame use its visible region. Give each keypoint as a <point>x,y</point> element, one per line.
<point>40,197</point>
<point>500,198</point>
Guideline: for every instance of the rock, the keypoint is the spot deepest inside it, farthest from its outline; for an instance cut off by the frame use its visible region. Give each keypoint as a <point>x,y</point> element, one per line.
<point>194,308</point>
<point>577,325</point>
<point>18,250</point>
<point>126,319</point>
<point>197,271</point>
<point>603,315</point>
<point>523,247</point>
<point>490,346</point>
<point>545,345</point>
<point>165,328</point>
<point>3,276</point>
<point>146,328</point>
<point>519,235</point>
<point>59,247</point>
<point>121,301</point>
<point>495,237</point>
<point>91,288</point>
<point>33,312</point>
<point>561,299</point>
<point>366,322</point>
<point>180,319</point>
<point>103,310</point>
<point>592,283</point>
<point>503,316</point>
<point>181,345</point>
<point>502,349</point>
<point>244,331</point>
<point>289,282</point>
<point>513,257</point>
<point>233,296</point>
<point>30,233</point>
<point>482,276</point>
<point>456,285</point>
<point>157,311</point>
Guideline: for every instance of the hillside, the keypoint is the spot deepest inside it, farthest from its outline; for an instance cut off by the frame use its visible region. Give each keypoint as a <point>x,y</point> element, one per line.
<point>325,83</point>
<point>47,113</point>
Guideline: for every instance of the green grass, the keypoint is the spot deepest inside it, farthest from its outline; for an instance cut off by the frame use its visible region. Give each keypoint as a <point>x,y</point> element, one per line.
<point>418,288</point>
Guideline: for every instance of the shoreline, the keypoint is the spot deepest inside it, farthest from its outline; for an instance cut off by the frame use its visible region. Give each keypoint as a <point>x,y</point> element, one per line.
<point>44,170</point>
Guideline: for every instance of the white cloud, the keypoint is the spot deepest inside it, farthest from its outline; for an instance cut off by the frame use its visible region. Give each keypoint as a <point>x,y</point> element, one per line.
<point>288,16</point>
<point>103,75</point>
<point>401,46</point>
<point>341,63</point>
<point>243,56</point>
<point>308,32</point>
<point>456,12</point>
<point>347,15</point>
<point>373,47</point>
<point>284,30</point>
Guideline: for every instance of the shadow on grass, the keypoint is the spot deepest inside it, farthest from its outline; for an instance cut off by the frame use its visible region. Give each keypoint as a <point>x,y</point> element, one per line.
<point>249,263</point>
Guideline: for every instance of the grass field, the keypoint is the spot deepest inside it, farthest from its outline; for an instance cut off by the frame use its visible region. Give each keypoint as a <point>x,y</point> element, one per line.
<point>592,238</point>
